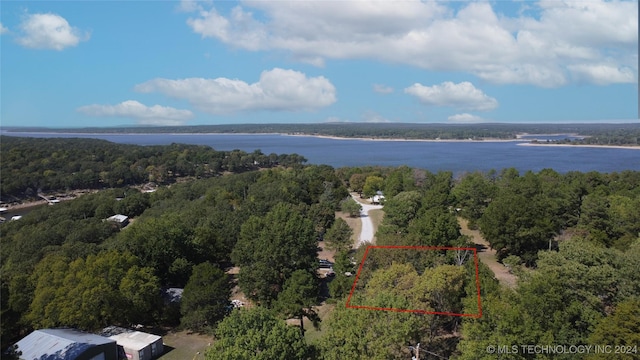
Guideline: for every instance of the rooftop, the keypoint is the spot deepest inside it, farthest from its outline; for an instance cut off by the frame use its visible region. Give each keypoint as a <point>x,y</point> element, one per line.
<point>135,340</point>
<point>61,343</point>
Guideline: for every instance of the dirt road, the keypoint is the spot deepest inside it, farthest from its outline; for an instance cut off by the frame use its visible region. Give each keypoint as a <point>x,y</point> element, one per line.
<point>488,256</point>
<point>367,232</point>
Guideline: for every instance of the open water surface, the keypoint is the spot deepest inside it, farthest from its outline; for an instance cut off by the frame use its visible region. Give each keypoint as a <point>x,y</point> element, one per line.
<point>458,157</point>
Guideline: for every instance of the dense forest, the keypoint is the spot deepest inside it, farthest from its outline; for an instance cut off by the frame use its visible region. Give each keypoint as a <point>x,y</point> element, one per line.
<point>600,134</point>
<point>572,240</point>
<point>31,165</point>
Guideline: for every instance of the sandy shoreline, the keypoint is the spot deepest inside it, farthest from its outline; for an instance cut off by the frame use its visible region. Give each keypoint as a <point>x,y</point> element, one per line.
<point>276,133</point>
<point>404,139</point>
<point>629,147</point>
<point>519,138</point>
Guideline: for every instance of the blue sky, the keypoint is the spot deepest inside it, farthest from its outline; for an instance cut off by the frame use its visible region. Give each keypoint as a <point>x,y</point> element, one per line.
<point>94,63</point>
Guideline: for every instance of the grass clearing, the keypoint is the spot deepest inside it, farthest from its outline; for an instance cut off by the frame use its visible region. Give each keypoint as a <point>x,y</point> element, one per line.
<point>183,345</point>
<point>313,335</point>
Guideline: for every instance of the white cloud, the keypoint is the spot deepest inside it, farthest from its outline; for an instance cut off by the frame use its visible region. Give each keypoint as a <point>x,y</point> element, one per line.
<point>382,89</point>
<point>533,49</point>
<point>3,29</point>
<point>145,115</point>
<point>192,5</point>
<point>462,96</point>
<point>603,74</point>
<point>465,118</point>
<point>277,89</point>
<point>49,31</point>
<point>373,117</point>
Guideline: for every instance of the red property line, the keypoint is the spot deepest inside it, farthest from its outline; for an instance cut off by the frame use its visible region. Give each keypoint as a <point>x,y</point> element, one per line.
<point>364,257</point>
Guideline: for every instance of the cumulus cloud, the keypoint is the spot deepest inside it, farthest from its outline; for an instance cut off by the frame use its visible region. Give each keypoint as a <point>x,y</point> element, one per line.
<point>533,49</point>
<point>462,96</point>
<point>465,118</point>
<point>3,29</point>
<point>603,74</point>
<point>277,89</point>
<point>145,115</point>
<point>382,89</point>
<point>49,31</point>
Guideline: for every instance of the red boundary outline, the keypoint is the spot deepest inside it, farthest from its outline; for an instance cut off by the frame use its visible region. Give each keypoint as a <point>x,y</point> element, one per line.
<point>364,257</point>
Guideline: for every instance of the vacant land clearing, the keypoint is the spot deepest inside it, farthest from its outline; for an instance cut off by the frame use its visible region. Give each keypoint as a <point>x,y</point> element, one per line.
<point>185,346</point>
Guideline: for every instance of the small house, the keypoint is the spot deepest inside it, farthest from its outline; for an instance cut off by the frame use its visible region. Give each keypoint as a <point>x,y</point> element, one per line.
<point>138,345</point>
<point>121,220</point>
<point>68,344</point>
<point>377,198</point>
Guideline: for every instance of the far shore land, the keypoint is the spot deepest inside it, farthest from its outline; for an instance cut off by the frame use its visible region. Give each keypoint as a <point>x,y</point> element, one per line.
<point>542,144</point>
<point>519,138</point>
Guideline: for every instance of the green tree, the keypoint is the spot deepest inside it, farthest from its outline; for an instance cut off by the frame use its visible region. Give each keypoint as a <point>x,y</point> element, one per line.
<point>361,334</point>
<point>205,298</point>
<point>351,207</point>
<point>622,328</point>
<point>473,194</point>
<point>435,227</point>
<point>400,210</point>
<point>271,248</point>
<point>338,237</point>
<point>356,182</point>
<point>298,296</point>
<point>86,293</point>
<point>372,185</point>
<point>516,224</point>
<point>256,334</point>
<point>594,217</point>
<point>141,289</point>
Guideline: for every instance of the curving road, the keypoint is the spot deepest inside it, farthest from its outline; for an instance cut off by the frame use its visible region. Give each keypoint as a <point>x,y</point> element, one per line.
<point>367,233</point>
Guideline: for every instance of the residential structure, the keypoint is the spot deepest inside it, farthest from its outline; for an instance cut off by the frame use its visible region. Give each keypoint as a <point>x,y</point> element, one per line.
<point>67,344</point>
<point>119,219</point>
<point>138,345</point>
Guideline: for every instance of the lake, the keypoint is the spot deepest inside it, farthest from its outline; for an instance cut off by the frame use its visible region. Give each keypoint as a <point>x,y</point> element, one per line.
<point>457,157</point>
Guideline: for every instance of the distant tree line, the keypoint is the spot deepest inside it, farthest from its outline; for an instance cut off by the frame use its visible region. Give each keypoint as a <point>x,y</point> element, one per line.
<point>598,133</point>
<point>31,165</point>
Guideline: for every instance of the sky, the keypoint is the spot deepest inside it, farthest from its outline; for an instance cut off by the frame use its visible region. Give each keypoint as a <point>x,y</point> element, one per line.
<point>132,63</point>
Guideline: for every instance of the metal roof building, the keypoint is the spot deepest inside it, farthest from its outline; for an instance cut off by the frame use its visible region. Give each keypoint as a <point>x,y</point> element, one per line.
<point>138,345</point>
<point>66,344</point>
<point>119,219</point>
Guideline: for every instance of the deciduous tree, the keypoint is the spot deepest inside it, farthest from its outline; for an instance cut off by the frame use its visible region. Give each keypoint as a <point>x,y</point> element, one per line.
<point>256,334</point>
<point>206,297</point>
<point>271,248</point>
<point>298,296</point>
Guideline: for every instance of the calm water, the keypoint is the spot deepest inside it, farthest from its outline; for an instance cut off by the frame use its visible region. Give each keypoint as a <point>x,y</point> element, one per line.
<point>457,157</point>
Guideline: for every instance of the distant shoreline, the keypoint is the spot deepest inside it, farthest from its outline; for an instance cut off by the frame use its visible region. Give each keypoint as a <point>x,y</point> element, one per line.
<point>519,138</point>
<point>10,133</point>
<point>400,139</point>
<point>624,147</point>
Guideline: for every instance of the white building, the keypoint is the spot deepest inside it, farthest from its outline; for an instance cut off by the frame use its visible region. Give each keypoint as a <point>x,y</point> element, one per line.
<point>119,219</point>
<point>138,345</point>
